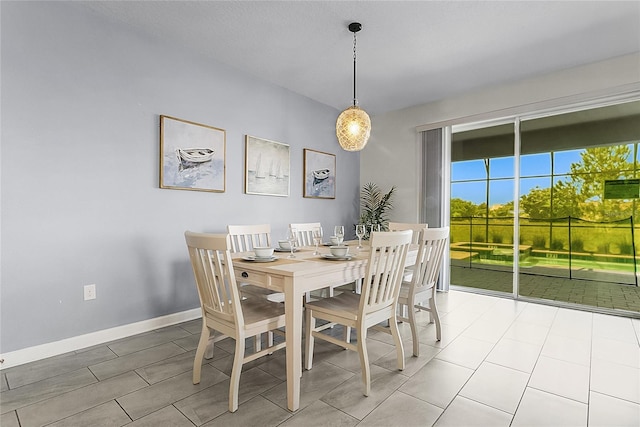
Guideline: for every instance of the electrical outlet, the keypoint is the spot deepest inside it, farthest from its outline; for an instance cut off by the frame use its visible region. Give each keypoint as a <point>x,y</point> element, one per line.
<point>89,292</point>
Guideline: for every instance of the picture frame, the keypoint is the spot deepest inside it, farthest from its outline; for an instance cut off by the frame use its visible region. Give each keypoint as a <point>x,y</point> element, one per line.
<point>319,174</point>
<point>192,156</point>
<point>267,167</point>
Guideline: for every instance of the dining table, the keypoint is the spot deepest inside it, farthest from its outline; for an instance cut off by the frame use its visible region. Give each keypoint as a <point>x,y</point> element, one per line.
<point>296,276</point>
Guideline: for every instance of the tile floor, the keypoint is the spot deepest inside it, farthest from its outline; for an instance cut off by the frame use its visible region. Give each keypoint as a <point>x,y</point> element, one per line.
<point>500,363</point>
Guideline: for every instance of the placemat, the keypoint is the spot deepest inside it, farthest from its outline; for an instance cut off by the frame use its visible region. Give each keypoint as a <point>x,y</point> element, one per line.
<point>288,251</point>
<point>353,258</point>
<point>279,261</point>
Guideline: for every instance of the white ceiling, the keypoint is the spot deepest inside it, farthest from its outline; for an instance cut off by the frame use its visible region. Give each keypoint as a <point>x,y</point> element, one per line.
<point>409,52</point>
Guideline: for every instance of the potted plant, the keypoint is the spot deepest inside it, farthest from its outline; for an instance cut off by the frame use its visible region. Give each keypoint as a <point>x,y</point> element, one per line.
<point>375,207</point>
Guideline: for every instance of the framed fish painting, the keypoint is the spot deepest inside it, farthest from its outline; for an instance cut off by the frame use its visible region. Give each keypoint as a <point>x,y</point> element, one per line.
<point>192,156</point>
<point>267,167</point>
<point>319,174</point>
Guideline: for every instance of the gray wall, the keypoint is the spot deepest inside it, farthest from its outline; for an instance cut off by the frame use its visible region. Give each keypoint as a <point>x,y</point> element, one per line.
<point>81,99</point>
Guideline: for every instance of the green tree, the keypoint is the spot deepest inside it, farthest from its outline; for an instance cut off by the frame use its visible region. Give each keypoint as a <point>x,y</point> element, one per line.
<point>536,204</point>
<point>463,208</point>
<point>505,210</point>
<point>598,164</point>
<point>482,210</point>
<point>566,200</point>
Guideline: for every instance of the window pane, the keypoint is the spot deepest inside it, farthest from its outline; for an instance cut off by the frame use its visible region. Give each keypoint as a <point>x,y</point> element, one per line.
<point>471,169</point>
<point>562,161</point>
<point>528,184</point>
<point>500,192</point>
<point>535,164</point>
<point>475,192</point>
<point>501,167</point>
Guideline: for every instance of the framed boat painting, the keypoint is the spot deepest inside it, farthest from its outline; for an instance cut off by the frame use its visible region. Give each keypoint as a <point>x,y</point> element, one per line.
<point>192,156</point>
<point>267,167</point>
<point>319,174</point>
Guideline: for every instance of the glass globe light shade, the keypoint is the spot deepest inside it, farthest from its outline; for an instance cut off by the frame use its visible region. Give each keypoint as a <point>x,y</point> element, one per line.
<point>353,128</point>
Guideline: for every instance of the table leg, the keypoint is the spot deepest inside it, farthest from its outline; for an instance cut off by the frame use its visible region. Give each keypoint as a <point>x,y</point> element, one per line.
<point>293,315</point>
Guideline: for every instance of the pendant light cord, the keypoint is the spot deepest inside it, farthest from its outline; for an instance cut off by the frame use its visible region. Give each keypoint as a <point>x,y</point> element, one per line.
<point>355,100</point>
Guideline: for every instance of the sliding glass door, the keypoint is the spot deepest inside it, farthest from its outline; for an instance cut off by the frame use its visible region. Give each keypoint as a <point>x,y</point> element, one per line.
<point>577,182</point>
<point>482,180</point>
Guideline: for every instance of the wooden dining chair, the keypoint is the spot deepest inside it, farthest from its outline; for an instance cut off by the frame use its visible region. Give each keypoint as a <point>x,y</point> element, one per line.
<point>223,309</point>
<point>415,239</point>
<point>377,303</point>
<point>416,228</point>
<point>243,239</point>
<point>422,285</point>
<point>304,234</point>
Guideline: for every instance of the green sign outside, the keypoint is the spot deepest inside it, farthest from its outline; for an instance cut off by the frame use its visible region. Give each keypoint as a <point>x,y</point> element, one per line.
<point>622,189</point>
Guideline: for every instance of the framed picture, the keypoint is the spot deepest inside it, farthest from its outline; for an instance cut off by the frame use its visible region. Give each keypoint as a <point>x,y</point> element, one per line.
<point>192,156</point>
<point>266,168</point>
<point>319,174</point>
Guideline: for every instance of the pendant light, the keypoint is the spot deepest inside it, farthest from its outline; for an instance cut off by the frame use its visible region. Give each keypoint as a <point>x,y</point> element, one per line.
<point>353,126</point>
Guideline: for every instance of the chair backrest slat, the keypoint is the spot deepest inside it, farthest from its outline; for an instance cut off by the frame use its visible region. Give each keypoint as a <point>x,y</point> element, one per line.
<point>213,271</point>
<point>416,228</point>
<point>381,284</point>
<point>429,260</point>
<point>245,237</point>
<point>304,232</point>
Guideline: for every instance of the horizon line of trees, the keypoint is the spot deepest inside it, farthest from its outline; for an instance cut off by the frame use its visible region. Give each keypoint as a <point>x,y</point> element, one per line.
<point>579,194</point>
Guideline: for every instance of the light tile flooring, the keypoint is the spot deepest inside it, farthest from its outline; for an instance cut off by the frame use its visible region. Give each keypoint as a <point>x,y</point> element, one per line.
<point>500,363</point>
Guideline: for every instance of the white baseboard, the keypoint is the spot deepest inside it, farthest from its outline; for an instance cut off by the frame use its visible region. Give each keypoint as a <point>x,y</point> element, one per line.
<point>30,354</point>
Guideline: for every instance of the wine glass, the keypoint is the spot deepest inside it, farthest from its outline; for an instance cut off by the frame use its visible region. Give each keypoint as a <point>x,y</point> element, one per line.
<point>292,238</point>
<point>338,231</point>
<point>360,232</point>
<point>317,237</point>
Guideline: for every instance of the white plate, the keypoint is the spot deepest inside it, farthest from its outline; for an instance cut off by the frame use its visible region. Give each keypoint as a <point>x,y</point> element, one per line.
<point>337,258</point>
<point>284,250</point>
<point>257,259</point>
<point>331,244</point>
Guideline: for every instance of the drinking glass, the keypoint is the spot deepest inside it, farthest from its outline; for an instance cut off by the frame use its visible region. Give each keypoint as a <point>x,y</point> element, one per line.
<point>317,237</point>
<point>338,231</point>
<point>292,238</point>
<point>360,232</point>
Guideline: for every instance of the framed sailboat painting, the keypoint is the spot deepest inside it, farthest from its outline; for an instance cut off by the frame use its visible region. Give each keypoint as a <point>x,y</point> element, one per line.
<point>192,156</point>
<point>319,174</point>
<point>267,167</point>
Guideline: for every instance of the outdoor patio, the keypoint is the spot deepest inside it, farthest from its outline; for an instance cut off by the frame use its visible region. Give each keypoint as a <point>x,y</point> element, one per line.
<point>586,292</point>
